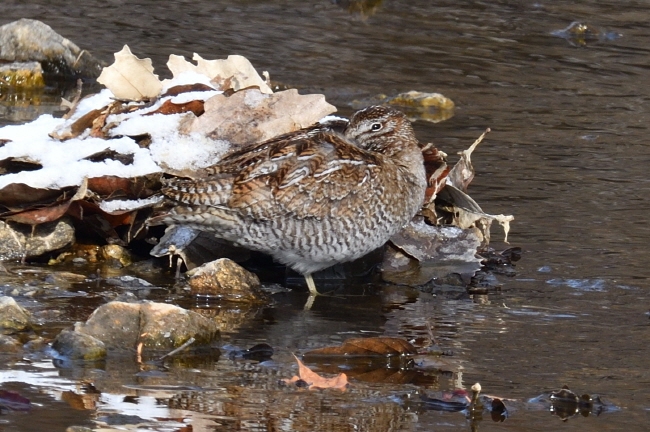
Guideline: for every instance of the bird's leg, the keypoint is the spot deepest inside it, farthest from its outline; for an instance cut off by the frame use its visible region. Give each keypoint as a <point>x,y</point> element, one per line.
<point>312,286</point>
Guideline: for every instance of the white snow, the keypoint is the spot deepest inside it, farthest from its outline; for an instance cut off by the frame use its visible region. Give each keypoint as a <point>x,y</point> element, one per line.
<point>64,162</point>
<point>115,206</point>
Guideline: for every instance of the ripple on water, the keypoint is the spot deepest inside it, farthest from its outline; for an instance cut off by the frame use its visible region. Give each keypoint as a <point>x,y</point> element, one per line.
<point>593,285</point>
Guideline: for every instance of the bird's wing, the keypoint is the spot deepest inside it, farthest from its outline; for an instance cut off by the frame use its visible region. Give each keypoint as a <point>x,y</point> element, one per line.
<point>310,174</point>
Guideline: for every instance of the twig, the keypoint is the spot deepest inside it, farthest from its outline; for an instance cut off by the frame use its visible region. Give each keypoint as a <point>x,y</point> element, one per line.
<point>75,101</point>
<point>189,342</point>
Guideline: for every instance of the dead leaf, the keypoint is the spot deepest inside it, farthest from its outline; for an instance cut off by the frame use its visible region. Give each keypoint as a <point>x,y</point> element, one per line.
<point>186,88</point>
<point>462,174</point>
<point>435,163</point>
<point>168,107</point>
<point>367,347</point>
<point>42,215</point>
<point>250,116</point>
<point>130,78</point>
<point>235,72</point>
<point>315,381</point>
<point>467,213</point>
<point>19,196</point>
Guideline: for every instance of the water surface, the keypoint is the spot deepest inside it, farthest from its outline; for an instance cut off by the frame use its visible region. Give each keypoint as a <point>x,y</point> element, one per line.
<point>567,156</point>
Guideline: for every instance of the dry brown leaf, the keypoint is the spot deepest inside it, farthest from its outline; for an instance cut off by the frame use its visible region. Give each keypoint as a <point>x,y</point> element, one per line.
<point>42,215</point>
<point>130,78</point>
<point>367,347</point>
<point>250,116</point>
<point>235,72</point>
<point>315,381</point>
<point>462,174</point>
<point>186,88</point>
<point>467,213</point>
<point>435,163</point>
<point>168,107</point>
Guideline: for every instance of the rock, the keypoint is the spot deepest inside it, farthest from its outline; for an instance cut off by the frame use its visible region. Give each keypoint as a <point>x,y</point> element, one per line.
<point>166,327</point>
<point>13,318</point>
<point>79,346</point>
<point>117,324</point>
<point>9,345</point>
<point>29,40</point>
<point>17,241</point>
<point>156,325</point>
<point>22,75</point>
<point>117,254</point>
<point>226,280</point>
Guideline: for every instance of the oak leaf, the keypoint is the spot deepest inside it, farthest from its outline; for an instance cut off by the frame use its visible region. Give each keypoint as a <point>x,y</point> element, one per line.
<point>314,381</point>
<point>130,78</point>
<point>250,116</point>
<point>236,72</point>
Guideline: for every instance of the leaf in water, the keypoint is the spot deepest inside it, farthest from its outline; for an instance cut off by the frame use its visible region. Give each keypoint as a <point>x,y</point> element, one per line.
<point>498,410</point>
<point>130,78</point>
<point>13,401</point>
<point>314,381</point>
<point>443,405</point>
<point>250,116</point>
<point>367,347</point>
<point>235,72</point>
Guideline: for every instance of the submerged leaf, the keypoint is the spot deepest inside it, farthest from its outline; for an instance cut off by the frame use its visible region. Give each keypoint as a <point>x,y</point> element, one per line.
<point>314,381</point>
<point>367,347</point>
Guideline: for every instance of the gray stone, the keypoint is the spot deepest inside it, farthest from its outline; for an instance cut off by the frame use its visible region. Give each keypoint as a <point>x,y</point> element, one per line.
<point>157,326</point>
<point>17,241</point>
<point>13,318</point>
<point>30,40</point>
<point>79,346</point>
<point>117,324</point>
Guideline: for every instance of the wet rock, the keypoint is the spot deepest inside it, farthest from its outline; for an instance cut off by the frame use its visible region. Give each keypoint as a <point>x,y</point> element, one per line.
<point>9,345</point>
<point>79,346</point>
<point>22,75</point>
<point>581,34</point>
<point>226,280</point>
<point>117,254</point>
<point>421,252</point>
<point>116,324</point>
<point>13,318</point>
<point>156,325</point>
<point>29,40</point>
<point>17,241</point>
<point>417,105</point>
<point>167,326</point>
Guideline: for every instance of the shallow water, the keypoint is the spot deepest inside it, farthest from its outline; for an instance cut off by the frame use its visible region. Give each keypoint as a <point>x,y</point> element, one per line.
<point>567,156</point>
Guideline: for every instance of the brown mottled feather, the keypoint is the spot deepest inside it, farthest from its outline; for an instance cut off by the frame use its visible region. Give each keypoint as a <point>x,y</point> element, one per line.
<point>311,198</point>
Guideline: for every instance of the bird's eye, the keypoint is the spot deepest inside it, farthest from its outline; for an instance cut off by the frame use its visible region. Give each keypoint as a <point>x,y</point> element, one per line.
<point>376,126</point>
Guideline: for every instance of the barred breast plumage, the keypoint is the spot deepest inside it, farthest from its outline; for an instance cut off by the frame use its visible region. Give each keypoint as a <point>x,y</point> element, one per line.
<point>312,198</point>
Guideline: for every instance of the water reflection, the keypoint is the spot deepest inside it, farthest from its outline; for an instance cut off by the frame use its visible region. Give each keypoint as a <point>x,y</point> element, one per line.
<point>567,156</point>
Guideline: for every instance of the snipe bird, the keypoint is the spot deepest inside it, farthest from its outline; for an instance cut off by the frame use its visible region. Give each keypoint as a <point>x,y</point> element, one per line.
<point>310,198</point>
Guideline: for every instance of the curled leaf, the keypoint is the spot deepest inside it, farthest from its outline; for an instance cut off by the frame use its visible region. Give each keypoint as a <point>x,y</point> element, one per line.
<point>314,381</point>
